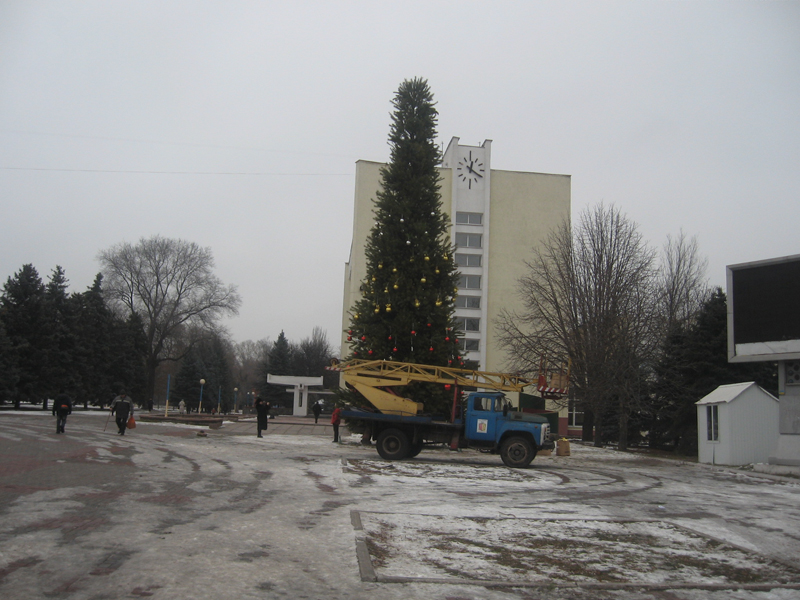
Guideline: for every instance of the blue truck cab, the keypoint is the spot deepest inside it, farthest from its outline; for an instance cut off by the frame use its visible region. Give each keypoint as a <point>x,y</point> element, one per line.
<point>490,422</point>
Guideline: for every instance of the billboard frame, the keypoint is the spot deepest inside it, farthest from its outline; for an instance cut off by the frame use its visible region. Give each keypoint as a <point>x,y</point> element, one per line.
<point>767,351</point>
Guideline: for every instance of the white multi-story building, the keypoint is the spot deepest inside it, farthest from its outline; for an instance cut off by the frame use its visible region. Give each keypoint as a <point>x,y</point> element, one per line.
<point>498,218</point>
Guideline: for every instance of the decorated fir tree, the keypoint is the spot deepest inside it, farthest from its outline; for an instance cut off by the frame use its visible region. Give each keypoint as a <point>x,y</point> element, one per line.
<point>405,312</point>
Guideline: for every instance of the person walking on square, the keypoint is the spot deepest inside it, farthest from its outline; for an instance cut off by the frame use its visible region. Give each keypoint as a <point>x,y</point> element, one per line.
<point>122,407</point>
<point>316,409</point>
<point>62,406</point>
<point>182,406</point>
<point>336,418</point>
<point>262,410</point>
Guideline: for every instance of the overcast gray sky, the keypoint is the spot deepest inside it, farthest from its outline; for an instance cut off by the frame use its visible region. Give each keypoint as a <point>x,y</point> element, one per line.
<point>237,125</point>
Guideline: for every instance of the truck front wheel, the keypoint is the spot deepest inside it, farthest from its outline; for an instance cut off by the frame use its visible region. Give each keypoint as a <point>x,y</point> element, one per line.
<point>517,452</point>
<point>393,444</point>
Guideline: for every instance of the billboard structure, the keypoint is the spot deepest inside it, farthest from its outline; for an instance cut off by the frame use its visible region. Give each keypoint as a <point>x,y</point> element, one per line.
<point>764,325</point>
<point>764,310</point>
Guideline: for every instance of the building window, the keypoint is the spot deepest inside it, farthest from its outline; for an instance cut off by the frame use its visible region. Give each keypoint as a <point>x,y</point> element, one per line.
<point>468,324</point>
<point>469,345</point>
<point>469,240</point>
<point>468,301</point>
<point>469,282</point>
<point>575,414</point>
<point>469,260</point>
<point>465,218</point>
<point>712,422</point>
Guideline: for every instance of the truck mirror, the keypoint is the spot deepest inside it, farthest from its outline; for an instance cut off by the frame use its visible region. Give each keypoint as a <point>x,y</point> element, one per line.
<point>505,410</point>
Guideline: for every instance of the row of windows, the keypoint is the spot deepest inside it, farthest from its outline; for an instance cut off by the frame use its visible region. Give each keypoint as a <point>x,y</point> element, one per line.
<point>469,282</point>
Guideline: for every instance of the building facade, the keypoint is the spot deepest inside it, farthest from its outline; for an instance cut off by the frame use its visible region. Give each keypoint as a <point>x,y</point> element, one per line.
<point>497,219</point>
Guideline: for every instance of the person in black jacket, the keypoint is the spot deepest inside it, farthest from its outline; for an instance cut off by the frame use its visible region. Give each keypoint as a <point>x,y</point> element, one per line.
<point>122,406</point>
<point>316,409</point>
<point>62,406</point>
<point>262,409</point>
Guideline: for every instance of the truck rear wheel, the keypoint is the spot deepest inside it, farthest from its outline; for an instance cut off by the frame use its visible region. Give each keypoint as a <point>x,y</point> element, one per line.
<point>393,444</point>
<point>517,452</point>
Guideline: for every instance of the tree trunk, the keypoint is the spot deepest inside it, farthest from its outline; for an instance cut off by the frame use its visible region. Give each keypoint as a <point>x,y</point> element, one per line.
<point>623,425</point>
<point>598,430</point>
<point>587,430</point>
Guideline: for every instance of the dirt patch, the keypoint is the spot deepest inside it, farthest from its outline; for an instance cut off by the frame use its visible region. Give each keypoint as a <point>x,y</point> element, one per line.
<point>580,551</point>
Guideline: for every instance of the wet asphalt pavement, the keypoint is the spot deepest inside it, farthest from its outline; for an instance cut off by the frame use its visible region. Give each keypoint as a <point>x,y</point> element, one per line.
<point>164,513</point>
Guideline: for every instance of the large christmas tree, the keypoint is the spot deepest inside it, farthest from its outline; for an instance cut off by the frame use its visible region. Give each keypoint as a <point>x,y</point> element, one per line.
<point>405,312</point>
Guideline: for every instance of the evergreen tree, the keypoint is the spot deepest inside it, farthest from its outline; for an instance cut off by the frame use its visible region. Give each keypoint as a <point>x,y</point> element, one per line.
<point>407,304</point>
<point>279,362</point>
<point>9,372</point>
<point>94,339</point>
<point>24,315</point>
<point>695,363</point>
<point>62,370</point>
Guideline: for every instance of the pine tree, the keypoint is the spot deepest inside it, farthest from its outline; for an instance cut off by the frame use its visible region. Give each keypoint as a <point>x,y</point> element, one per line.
<point>694,364</point>
<point>62,370</point>
<point>279,362</point>
<point>407,304</point>
<point>93,352</point>
<point>24,315</point>
<point>9,372</point>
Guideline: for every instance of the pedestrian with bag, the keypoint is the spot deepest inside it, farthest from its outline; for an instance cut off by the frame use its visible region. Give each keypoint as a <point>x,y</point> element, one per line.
<point>336,418</point>
<point>262,410</point>
<point>62,406</point>
<point>122,407</point>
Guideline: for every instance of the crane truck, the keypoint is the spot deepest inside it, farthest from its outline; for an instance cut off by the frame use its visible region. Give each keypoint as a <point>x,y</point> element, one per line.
<point>486,422</point>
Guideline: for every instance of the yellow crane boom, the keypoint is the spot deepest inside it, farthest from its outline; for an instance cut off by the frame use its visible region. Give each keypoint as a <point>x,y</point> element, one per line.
<point>369,376</point>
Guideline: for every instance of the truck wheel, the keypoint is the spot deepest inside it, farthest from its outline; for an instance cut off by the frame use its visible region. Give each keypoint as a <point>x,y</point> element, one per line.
<point>393,444</point>
<point>517,452</point>
<point>414,449</point>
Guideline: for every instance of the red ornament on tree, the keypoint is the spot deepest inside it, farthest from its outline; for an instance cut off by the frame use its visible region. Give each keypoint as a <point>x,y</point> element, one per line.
<point>363,338</point>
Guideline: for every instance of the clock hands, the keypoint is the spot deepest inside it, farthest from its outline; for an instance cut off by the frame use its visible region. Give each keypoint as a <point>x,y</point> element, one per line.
<point>473,171</point>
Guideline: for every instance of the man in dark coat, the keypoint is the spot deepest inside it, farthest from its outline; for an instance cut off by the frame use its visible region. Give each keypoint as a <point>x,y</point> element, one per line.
<point>316,409</point>
<point>262,409</point>
<point>122,406</point>
<point>62,406</point>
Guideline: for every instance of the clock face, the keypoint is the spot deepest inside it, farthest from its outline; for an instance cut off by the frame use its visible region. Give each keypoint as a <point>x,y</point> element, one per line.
<point>470,171</point>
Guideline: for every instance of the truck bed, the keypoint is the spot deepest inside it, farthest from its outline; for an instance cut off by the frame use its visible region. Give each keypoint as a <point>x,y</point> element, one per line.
<point>365,415</point>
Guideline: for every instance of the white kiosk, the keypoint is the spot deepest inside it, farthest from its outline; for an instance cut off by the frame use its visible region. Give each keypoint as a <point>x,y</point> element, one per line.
<point>299,387</point>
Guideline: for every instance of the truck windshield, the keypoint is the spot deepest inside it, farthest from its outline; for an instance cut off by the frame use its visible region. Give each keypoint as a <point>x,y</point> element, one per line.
<point>501,403</point>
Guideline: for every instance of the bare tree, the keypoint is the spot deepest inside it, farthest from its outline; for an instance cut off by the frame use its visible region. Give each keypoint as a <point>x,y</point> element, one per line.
<point>169,283</point>
<point>683,282</point>
<point>589,298</point>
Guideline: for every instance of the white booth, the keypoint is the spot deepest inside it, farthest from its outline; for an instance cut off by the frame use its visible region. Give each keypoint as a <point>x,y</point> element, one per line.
<point>737,424</point>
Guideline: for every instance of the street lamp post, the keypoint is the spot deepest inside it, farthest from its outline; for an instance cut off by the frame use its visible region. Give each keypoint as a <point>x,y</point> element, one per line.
<point>200,403</point>
<point>235,398</point>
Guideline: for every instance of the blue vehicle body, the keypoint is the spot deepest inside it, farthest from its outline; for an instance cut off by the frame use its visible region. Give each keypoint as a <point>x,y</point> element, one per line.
<point>488,423</point>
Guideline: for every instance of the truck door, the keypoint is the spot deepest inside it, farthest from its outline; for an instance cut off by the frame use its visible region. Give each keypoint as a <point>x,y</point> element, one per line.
<point>480,418</point>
